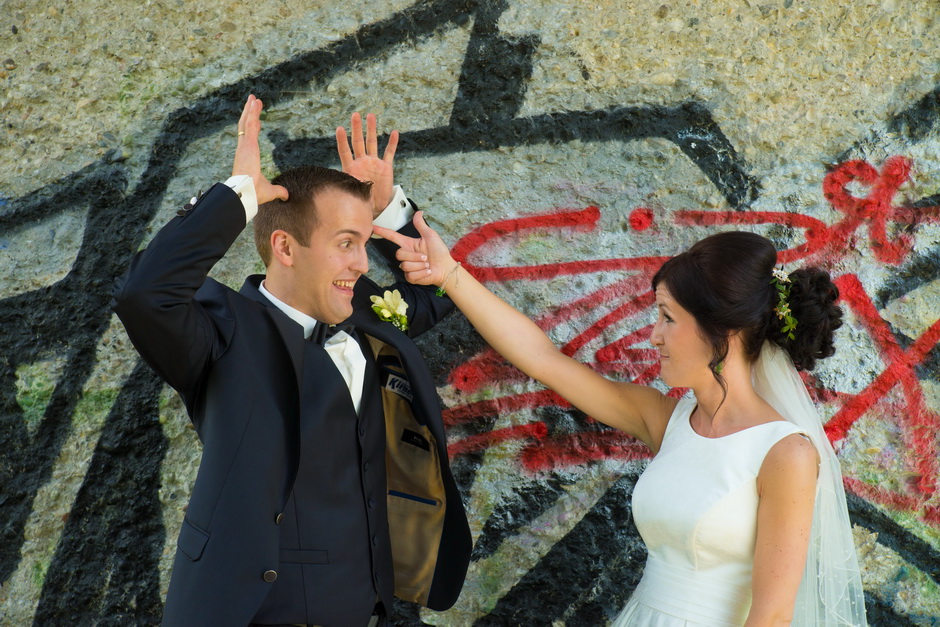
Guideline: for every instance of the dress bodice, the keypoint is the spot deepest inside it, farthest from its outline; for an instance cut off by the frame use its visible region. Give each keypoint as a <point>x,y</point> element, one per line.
<point>695,507</point>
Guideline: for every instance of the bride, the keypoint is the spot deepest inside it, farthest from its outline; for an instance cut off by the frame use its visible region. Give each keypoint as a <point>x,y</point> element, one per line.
<point>742,508</point>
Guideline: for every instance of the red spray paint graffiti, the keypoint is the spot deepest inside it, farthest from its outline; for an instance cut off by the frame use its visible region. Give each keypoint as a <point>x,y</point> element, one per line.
<point>629,299</point>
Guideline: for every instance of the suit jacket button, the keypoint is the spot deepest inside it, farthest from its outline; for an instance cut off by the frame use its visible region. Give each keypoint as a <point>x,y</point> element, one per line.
<point>270,576</point>
<point>279,518</point>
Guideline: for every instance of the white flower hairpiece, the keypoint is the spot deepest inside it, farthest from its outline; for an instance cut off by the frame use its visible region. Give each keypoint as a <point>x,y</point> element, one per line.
<point>782,282</point>
<point>391,307</point>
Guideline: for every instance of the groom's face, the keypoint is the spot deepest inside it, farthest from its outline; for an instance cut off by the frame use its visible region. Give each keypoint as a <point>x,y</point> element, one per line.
<point>326,270</point>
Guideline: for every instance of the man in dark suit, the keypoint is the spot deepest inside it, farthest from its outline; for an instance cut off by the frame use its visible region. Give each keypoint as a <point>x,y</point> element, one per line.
<point>324,488</point>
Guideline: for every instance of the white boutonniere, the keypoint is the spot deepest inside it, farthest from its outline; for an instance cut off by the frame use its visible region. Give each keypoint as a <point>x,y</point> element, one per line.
<point>391,307</point>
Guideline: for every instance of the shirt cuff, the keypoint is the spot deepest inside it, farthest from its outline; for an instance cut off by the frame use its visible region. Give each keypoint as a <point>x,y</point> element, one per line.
<point>397,214</point>
<point>245,188</point>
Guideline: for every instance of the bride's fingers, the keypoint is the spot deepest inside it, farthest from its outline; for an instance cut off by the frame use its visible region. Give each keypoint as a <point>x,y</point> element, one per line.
<point>392,236</point>
<point>408,254</point>
<point>414,266</point>
<point>420,276</point>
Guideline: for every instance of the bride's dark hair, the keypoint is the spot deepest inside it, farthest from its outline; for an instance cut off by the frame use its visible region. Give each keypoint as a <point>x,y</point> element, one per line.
<point>724,281</point>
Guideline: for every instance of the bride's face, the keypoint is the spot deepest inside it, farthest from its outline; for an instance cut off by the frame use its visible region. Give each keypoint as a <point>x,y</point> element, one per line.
<point>683,353</point>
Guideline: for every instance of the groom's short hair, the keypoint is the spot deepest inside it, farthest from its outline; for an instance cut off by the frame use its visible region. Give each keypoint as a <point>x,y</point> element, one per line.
<point>298,214</point>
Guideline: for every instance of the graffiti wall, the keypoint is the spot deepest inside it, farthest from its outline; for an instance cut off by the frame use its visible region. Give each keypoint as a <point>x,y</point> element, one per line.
<point>564,149</point>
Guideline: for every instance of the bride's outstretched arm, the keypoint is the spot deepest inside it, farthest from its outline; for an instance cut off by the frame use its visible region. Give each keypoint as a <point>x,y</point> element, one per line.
<point>638,410</point>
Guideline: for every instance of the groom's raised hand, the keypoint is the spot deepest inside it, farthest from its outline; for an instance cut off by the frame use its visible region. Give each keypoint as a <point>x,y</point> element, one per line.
<point>248,153</point>
<point>363,160</point>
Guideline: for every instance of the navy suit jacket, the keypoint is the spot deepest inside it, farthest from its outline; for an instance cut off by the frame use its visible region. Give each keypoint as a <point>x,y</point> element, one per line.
<point>237,361</point>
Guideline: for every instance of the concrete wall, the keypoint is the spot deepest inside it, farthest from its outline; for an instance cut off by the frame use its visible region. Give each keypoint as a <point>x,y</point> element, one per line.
<point>564,148</point>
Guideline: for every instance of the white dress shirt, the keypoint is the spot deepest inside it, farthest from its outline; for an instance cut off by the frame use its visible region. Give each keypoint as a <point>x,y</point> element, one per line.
<point>342,348</point>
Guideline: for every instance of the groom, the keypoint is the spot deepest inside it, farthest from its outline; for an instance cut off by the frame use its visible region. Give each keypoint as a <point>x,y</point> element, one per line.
<point>324,488</point>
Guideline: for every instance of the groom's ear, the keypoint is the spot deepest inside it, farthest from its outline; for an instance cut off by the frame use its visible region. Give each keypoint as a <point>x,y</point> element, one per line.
<point>283,248</point>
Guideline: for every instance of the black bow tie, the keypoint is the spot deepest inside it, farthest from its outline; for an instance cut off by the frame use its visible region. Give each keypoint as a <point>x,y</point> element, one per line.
<point>323,332</point>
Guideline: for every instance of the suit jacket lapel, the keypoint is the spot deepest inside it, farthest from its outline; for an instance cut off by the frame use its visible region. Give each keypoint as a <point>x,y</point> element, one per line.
<point>292,334</point>
<point>365,320</point>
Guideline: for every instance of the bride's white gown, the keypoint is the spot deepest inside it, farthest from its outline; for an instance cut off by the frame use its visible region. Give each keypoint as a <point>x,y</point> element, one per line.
<point>695,507</point>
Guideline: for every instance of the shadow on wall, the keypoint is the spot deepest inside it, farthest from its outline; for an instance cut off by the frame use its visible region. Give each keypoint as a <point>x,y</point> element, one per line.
<point>105,568</point>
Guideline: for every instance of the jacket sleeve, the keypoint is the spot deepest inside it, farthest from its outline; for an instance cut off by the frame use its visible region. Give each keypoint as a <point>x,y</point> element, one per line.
<point>425,307</point>
<point>156,300</point>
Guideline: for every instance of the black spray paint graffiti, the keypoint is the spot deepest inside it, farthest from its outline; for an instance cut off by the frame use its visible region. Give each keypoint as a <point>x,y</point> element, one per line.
<point>105,568</point>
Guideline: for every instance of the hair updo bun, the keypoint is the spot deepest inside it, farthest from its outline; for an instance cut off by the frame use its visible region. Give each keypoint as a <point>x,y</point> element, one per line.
<point>812,301</point>
<point>724,281</point>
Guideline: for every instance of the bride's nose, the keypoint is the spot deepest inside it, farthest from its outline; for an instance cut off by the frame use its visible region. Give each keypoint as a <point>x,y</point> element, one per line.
<point>656,338</point>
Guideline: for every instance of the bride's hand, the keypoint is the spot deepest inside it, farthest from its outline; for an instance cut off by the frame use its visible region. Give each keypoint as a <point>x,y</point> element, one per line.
<point>425,260</point>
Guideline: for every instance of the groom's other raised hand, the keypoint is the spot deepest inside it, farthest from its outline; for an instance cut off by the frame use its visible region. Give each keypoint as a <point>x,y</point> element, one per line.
<point>363,161</point>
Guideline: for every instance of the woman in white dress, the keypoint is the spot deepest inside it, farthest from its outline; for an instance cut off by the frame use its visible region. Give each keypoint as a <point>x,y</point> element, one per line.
<point>742,508</point>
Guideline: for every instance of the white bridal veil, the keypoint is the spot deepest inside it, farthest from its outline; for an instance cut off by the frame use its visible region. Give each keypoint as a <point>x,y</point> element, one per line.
<point>831,591</point>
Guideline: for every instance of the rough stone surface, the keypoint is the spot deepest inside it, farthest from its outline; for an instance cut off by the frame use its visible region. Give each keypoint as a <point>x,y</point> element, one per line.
<point>621,131</point>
